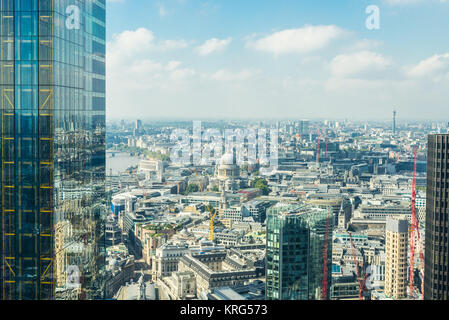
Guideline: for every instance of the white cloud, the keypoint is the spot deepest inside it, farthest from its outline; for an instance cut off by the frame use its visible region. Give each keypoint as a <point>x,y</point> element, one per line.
<point>435,66</point>
<point>361,63</point>
<point>172,65</point>
<point>130,65</point>
<point>302,40</point>
<point>166,45</point>
<point>365,44</point>
<point>227,75</point>
<point>130,43</point>
<point>137,43</point>
<point>213,45</point>
<point>144,80</point>
<point>180,74</point>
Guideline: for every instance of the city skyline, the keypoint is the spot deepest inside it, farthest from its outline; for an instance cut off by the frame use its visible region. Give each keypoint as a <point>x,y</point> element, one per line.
<point>186,58</point>
<point>254,151</point>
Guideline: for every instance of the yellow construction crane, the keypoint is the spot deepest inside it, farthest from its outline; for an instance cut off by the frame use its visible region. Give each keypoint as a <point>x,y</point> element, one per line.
<point>212,213</point>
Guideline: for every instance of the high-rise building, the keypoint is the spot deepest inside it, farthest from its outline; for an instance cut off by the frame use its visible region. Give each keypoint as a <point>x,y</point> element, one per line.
<point>296,252</point>
<point>138,124</point>
<point>304,126</point>
<point>436,267</point>
<point>52,82</point>
<point>394,122</point>
<point>396,248</point>
<point>138,127</point>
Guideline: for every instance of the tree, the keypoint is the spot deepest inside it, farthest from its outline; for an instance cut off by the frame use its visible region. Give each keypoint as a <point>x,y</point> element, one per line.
<point>215,189</point>
<point>193,187</point>
<point>262,184</point>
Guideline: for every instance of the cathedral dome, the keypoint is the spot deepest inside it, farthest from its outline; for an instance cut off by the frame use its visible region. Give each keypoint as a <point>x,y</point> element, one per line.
<point>228,171</point>
<point>227,159</point>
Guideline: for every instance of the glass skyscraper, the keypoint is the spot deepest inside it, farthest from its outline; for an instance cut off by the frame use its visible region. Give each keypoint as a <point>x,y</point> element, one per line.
<point>436,256</point>
<point>296,252</point>
<point>52,82</point>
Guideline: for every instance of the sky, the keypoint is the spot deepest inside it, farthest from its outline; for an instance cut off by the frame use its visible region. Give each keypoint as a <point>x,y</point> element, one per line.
<point>277,59</point>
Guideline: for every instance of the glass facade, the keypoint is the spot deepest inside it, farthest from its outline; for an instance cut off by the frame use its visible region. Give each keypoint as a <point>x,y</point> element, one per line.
<point>436,255</point>
<point>52,82</point>
<point>296,252</point>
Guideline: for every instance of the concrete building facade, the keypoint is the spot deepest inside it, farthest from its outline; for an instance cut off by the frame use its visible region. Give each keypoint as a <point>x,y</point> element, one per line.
<point>396,257</point>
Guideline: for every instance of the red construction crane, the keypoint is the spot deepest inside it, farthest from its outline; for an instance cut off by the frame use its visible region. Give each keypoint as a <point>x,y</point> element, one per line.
<point>415,234</point>
<point>318,146</point>
<point>325,254</point>
<point>362,282</point>
<point>327,141</point>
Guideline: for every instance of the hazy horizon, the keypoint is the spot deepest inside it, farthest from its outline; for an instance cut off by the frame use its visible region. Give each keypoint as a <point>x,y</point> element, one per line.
<point>399,119</point>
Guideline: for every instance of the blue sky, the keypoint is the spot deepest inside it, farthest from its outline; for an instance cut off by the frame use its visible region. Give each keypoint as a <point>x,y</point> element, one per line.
<point>277,59</point>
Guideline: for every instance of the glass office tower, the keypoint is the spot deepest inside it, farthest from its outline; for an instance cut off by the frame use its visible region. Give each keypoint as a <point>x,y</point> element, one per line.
<point>52,82</point>
<point>296,252</point>
<point>436,258</point>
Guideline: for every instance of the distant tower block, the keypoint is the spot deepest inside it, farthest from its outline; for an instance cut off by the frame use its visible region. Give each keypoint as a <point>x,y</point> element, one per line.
<point>394,122</point>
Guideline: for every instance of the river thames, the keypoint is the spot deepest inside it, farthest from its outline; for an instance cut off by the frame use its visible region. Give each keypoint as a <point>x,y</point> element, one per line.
<point>120,162</point>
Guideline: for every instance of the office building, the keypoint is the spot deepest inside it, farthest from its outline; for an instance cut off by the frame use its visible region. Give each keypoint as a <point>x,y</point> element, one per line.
<point>52,82</point>
<point>215,269</point>
<point>436,256</point>
<point>113,233</point>
<point>254,290</point>
<point>396,245</point>
<point>394,123</point>
<point>165,261</point>
<point>304,126</point>
<point>341,206</point>
<point>295,252</point>
<point>138,124</point>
